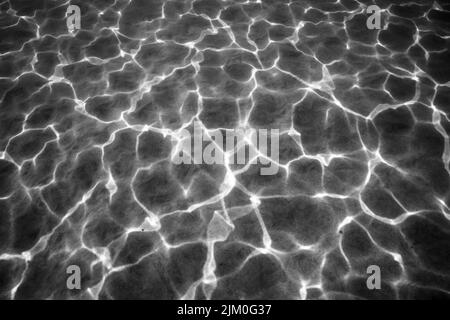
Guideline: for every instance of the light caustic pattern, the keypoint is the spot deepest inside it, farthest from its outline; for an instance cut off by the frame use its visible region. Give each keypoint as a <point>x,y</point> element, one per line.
<point>90,120</point>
